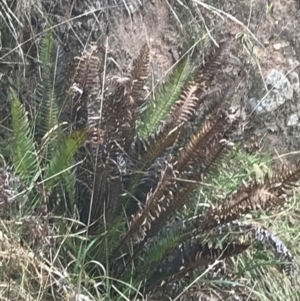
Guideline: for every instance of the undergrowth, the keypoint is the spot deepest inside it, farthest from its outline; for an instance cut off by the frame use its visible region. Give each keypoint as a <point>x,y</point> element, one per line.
<point>153,200</point>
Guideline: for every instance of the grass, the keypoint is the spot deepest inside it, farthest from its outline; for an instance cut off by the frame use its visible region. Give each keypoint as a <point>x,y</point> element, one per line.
<point>31,272</point>
<point>257,271</point>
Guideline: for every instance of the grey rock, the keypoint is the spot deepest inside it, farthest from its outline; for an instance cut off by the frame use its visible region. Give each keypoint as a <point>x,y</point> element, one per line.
<point>280,90</point>
<point>233,60</point>
<point>277,46</point>
<point>292,120</point>
<point>280,83</point>
<point>252,103</point>
<point>294,80</point>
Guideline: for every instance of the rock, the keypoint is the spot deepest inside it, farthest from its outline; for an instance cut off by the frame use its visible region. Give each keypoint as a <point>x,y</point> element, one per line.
<point>280,90</point>
<point>277,46</point>
<point>292,120</point>
<point>233,60</point>
<point>294,80</point>
<point>280,83</point>
<point>252,103</point>
<point>273,128</point>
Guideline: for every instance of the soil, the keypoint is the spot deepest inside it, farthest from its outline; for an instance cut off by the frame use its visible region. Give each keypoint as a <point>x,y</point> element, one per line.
<point>266,37</point>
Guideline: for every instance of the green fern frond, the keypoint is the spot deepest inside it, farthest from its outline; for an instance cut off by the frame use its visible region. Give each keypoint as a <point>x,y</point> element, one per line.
<point>47,92</point>
<point>24,157</point>
<point>60,164</point>
<point>160,107</point>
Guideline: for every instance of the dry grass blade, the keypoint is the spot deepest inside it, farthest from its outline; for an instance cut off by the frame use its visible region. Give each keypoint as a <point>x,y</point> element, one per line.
<point>26,277</point>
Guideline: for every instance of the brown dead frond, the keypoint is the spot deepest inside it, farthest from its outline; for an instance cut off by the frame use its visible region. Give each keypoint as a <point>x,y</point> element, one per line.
<point>157,202</point>
<point>139,76</point>
<point>263,195</point>
<point>86,84</point>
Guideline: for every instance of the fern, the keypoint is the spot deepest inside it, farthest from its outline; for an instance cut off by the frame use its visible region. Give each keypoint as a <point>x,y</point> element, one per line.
<point>152,159</point>
<point>25,158</point>
<point>42,152</point>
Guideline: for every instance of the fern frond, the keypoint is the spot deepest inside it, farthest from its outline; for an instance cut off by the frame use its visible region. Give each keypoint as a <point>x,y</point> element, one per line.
<point>160,106</point>
<point>211,67</point>
<point>107,192</point>
<point>126,102</point>
<point>203,163</point>
<point>287,177</point>
<point>191,256</point>
<point>184,109</point>
<point>177,196</point>
<point>216,127</point>
<point>257,196</point>
<point>139,76</point>
<point>156,202</point>
<point>47,102</point>
<point>196,254</point>
<point>172,128</point>
<point>118,122</point>
<point>86,84</point>
<point>186,106</point>
<point>62,159</point>
<point>192,96</point>
<point>180,191</point>
<point>25,159</point>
